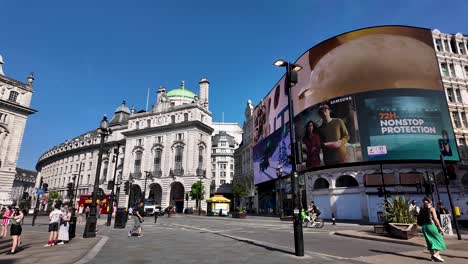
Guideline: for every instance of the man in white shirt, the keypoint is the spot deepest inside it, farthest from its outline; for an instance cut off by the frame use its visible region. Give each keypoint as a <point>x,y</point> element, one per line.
<point>414,208</point>
<point>54,222</point>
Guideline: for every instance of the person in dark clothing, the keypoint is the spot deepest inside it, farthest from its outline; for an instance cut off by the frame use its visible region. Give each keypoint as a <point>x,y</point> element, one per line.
<point>313,144</point>
<point>441,210</point>
<point>138,219</point>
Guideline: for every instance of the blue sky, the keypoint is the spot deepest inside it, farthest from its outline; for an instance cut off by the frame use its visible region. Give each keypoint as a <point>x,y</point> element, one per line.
<point>88,56</point>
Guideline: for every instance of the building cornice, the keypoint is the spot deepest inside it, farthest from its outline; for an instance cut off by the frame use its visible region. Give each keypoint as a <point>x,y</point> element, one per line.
<point>169,128</point>
<point>16,83</point>
<point>17,107</point>
<point>170,110</point>
<point>73,151</point>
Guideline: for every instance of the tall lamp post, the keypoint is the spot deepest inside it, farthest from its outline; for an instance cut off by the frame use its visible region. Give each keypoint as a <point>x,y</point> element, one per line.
<point>291,80</point>
<point>279,173</point>
<point>112,185</point>
<point>148,174</point>
<point>91,222</point>
<point>199,194</point>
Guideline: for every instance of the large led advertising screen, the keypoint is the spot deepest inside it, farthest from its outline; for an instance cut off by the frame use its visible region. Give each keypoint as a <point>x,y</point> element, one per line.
<point>373,94</point>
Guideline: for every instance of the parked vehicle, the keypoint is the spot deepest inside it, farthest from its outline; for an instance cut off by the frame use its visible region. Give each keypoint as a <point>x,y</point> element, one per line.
<point>150,207</point>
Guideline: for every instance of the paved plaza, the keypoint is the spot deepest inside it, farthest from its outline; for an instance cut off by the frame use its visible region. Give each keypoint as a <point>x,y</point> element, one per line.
<point>201,239</point>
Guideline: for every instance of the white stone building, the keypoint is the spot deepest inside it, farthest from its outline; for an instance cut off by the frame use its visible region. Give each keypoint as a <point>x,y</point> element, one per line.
<point>243,170</point>
<point>24,183</point>
<point>167,147</point>
<point>15,101</point>
<point>225,141</point>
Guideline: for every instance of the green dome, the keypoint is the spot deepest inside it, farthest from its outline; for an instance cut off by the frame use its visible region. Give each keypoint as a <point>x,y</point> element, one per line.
<point>181,92</point>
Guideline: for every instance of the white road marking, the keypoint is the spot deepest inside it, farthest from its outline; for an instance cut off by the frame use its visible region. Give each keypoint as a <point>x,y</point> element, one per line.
<point>94,251</point>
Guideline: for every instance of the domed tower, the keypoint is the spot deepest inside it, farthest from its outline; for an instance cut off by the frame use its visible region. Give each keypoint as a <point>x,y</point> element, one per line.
<point>180,95</point>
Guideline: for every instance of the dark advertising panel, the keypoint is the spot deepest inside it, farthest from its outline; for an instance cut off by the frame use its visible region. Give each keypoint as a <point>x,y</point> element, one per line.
<point>369,95</point>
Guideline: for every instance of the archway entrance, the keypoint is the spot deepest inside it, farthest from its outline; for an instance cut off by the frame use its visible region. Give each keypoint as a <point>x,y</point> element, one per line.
<point>177,196</point>
<point>135,195</point>
<point>155,193</point>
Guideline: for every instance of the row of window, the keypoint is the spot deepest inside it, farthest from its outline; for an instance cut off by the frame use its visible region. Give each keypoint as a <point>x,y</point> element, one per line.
<point>157,158</point>
<point>459,119</point>
<point>222,166</point>
<point>454,97</point>
<point>58,182</point>
<point>448,69</point>
<point>13,96</point>
<point>159,139</point>
<point>222,174</point>
<point>452,46</point>
<point>67,169</point>
<point>221,182</point>
<point>139,125</point>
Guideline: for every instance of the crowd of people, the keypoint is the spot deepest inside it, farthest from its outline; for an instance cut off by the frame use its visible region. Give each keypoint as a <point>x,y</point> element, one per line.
<point>59,225</point>
<point>12,218</point>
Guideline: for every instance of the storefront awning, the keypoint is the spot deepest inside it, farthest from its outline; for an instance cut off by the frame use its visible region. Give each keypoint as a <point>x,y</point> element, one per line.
<point>218,199</point>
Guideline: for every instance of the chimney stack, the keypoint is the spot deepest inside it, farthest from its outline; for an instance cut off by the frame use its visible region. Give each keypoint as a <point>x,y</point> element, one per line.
<point>204,91</point>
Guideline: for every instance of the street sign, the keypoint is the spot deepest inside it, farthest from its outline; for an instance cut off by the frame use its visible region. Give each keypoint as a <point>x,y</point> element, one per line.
<point>376,150</point>
<point>40,191</point>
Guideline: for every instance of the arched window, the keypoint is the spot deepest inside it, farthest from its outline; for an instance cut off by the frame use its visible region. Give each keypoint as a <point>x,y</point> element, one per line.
<point>13,96</point>
<point>179,152</point>
<point>185,116</point>
<point>137,124</point>
<point>137,167</point>
<point>321,183</point>
<point>157,160</point>
<point>104,172</point>
<point>148,123</point>
<point>201,150</point>
<point>173,119</point>
<point>346,181</point>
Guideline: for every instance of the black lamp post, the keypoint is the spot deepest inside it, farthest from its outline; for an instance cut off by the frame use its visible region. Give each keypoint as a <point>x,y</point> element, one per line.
<point>279,173</point>
<point>199,194</point>
<point>148,174</point>
<point>91,222</point>
<point>291,80</point>
<point>111,200</point>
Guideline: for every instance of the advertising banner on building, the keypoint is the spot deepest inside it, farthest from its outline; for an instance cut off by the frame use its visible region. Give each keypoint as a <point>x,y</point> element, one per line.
<point>373,94</point>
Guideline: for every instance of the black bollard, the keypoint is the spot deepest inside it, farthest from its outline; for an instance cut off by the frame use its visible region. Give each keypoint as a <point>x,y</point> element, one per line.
<point>333,219</point>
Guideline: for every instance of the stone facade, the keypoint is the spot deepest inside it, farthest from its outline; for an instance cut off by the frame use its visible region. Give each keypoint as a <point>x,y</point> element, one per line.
<point>225,140</point>
<point>15,101</point>
<point>167,148</point>
<point>24,183</point>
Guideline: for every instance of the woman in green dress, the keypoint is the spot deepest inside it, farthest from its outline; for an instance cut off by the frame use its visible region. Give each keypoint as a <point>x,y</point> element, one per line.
<point>432,230</point>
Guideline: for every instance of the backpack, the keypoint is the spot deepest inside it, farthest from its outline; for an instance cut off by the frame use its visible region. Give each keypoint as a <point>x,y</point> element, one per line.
<point>317,211</point>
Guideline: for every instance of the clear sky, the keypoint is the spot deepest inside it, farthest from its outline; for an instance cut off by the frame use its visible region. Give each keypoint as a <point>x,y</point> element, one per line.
<point>90,55</point>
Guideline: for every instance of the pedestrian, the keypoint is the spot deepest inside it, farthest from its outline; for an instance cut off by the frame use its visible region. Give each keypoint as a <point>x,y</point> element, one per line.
<point>6,221</point>
<point>138,220</point>
<point>80,213</point>
<point>432,230</point>
<point>54,220</point>
<point>86,212</point>
<point>414,208</point>
<point>16,229</point>
<point>63,235</point>
<point>441,210</point>
<point>156,214</point>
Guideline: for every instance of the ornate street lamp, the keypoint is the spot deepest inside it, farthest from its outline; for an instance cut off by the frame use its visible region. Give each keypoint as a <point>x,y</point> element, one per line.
<point>279,173</point>
<point>91,222</point>
<point>291,80</point>
<point>112,185</point>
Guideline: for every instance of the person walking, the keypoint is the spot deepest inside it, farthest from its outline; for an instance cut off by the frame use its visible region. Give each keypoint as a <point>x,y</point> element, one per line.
<point>63,235</point>
<point>16,229</point>
<point>432,230</point>
<point>80,214</point>
<point>6,221</point>
<point>54,220</point>
<point>138,220</point>
<point>87,212</point>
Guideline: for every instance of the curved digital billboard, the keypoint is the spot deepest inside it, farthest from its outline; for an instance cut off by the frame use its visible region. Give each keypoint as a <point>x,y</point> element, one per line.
<point>373,94</point>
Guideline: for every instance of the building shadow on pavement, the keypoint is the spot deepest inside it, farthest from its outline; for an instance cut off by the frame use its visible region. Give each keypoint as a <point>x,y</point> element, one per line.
<point>399,254</point>
<point>257,244</point>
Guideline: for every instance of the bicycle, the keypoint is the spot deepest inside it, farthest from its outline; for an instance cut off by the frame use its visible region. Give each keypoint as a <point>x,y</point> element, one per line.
<point>319,223</point>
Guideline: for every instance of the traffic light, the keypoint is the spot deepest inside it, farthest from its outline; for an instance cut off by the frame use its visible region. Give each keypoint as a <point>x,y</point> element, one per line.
<point>70,189</point>
<point>126,187</point>
<point>45,186</point>
<point>380,192</point>
<point>110,185</point>
<point>452,175</point>
<point>301,153</point>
